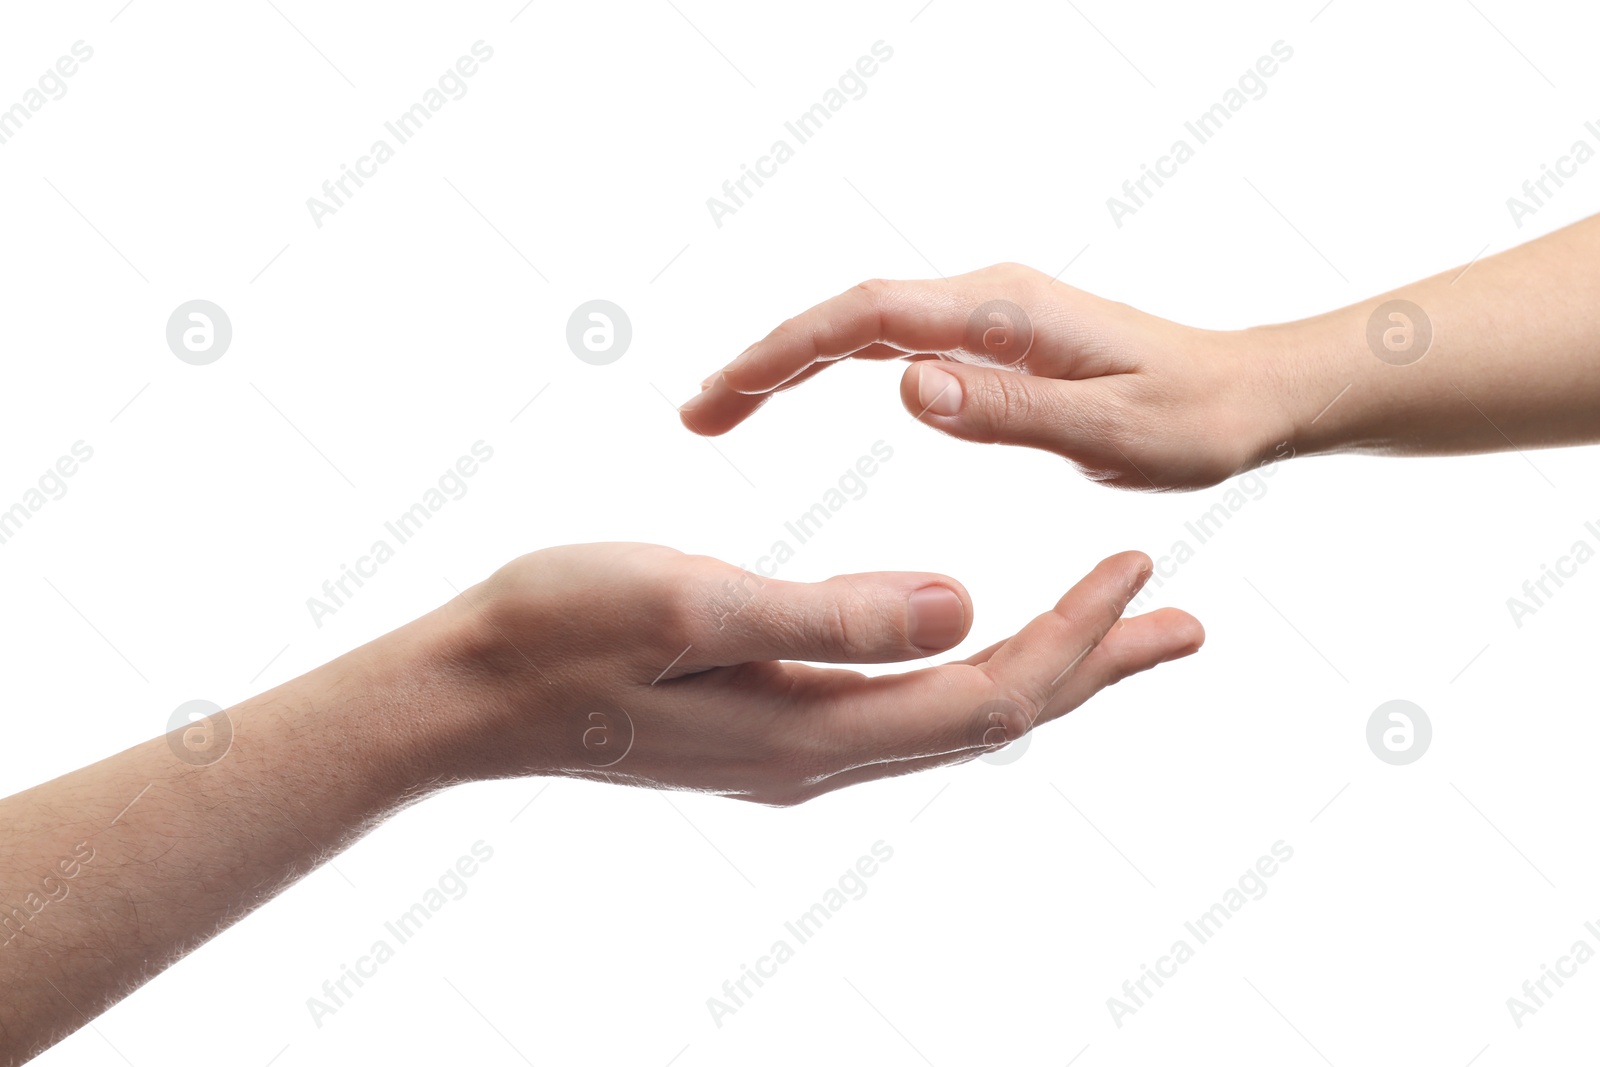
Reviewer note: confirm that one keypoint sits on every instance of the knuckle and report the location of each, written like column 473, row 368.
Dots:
column 1013, row 272
column 676, row 617
column 684, row 604
column 713, row 594
column 871, row 297
column 873, row 288
column 1009, row 406
column 841, row 631
column 1016, row 403
column 789, row 330
column 789, row 778
column 1006, row 720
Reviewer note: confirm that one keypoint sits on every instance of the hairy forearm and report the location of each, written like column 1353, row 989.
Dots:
column 1513, row 360
column 623, row 662
column 116, row 870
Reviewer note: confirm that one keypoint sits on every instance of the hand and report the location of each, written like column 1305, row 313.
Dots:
column 1132, row 400
column 639, row 664
column 624, row 663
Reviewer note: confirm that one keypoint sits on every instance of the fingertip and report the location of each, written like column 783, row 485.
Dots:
column 929, row 389
column 692, row 419
column 938, row 615
column 1136, row 565
column 1140, row 558
column 717, row 409
column 960, row 591
column 1146, row 566
column 1124, row 572
column 1181, row 634
column 1188, row 634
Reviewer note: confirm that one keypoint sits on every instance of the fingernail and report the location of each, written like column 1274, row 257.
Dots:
column 937, row 617
column 692, row 403
column 938, row 392
column 707, row 383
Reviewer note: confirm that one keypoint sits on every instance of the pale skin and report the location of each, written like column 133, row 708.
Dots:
column 1142, row 403
column 507, row 679
column 625, row 663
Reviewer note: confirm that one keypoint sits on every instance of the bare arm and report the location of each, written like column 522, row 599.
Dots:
column 622, row 663
column 1513, row 361
column 116, row 870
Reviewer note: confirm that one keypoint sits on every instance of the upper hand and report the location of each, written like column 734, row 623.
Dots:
column 1132, row 400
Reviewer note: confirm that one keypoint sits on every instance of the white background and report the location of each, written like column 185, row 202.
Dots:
column 416, row 321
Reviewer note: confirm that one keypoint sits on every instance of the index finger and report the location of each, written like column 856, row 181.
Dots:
column 960, row 706
column 913, row 316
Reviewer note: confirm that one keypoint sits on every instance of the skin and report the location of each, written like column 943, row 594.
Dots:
column 623, row 663
column 638, row 665
column 1139, row 402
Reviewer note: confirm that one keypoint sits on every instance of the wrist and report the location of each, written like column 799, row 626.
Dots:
column 408, row 711
column 1250, row 397
column 490, row 668
column 1308, row 382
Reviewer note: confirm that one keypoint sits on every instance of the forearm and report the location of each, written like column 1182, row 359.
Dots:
column 619, row 662
column 116, row 870
column 1513, row 362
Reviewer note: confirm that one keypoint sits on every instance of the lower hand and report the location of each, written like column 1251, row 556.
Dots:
column 640, row 664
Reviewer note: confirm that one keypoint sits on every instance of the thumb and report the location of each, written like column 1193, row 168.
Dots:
column 883, row 617
column 997, row 406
